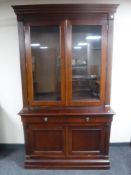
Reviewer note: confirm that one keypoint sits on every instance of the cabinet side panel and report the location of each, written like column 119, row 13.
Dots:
column 22, row 63
column 109, row 63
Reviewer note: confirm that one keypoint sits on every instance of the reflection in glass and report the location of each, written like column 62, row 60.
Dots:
column 45, row 49
column 86, row 61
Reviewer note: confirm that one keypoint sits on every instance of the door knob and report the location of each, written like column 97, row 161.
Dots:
column 45, row 119
column 87, row 119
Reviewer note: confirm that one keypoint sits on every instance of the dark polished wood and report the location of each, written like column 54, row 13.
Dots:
column 55, row 139
column 65, row 9
column 109, row 62
column 23, row 63
column 66, row 133
column 29, row 66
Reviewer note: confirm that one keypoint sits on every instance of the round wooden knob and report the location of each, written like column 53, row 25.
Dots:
column 45, row 119
column 87, row 119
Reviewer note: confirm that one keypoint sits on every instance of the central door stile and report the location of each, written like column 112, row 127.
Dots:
column 63, row 62
column 68, row 61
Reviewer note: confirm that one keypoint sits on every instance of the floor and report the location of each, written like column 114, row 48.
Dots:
column 11, row 163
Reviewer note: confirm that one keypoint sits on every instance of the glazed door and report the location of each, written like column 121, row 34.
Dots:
column 45, row 63
column 87, row 62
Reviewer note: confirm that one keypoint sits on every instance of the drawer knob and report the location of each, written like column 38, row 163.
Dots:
column 87, row 119
column 45, row 119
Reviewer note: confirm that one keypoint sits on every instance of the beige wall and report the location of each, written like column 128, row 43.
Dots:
column 11, row 130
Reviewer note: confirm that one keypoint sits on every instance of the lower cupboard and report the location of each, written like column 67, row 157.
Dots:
column 67, row 141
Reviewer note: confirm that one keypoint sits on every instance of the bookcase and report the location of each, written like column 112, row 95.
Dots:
column 66, row 56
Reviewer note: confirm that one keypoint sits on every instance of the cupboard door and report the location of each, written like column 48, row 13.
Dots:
column 87, row 62
column 46, row 141
column 45, row 61
column 87, row 140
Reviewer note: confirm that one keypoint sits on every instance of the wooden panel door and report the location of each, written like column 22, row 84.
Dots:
column 46, row 141
column 87, row 140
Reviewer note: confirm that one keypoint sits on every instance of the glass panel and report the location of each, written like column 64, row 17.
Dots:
column 86, row 62
column 45, row 49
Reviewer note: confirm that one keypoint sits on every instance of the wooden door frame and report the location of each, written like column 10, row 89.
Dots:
column 69, row 101
column 31, row 101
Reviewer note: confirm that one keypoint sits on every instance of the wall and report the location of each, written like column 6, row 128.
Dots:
column 11, row 130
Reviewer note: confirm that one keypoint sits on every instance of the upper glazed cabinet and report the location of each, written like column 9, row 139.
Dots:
column 66, row 61
column 66, row 54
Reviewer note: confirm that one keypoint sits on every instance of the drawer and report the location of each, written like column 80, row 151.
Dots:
column 67, row 119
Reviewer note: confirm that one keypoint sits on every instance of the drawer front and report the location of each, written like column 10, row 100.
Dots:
column 67, row 119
